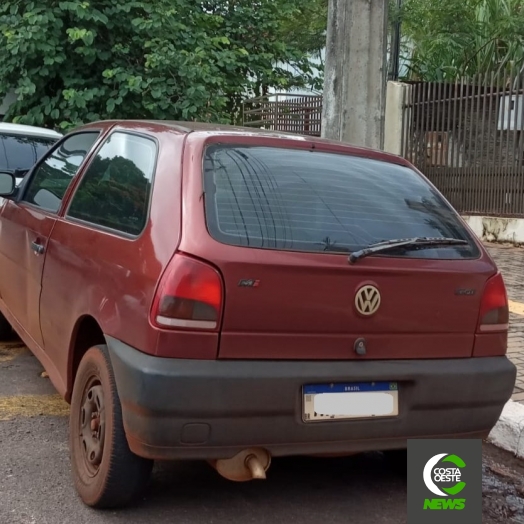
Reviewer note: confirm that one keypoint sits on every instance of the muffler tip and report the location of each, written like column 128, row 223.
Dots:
column 249, row 464
column 255, row 467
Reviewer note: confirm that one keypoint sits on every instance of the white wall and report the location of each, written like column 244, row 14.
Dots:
column 497, row 229
column 396, row 94
column 315, row 61
column 8, row 100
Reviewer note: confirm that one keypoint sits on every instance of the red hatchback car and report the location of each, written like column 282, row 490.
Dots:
column 216, row 293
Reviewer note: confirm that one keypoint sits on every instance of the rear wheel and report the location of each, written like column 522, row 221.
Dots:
column 6, row 331
column 106, row 473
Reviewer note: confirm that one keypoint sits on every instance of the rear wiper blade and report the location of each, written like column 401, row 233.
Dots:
column 407, row 243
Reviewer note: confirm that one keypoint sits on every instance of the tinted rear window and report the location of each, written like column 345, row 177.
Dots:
column 288, row 199
column 21, row 152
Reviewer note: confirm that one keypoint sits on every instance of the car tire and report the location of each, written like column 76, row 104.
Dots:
column 6, row 331
column 106, row 472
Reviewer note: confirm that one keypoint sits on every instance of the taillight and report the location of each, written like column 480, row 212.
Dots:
column 494, row 311
column 189, row 295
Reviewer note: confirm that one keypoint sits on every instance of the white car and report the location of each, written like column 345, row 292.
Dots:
column 22, row 146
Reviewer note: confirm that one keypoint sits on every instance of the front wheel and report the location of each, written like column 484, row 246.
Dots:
column 106, row 473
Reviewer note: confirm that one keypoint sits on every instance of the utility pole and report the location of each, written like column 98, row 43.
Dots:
column 355, row 72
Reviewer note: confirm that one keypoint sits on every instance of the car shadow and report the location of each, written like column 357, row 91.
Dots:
column 300, row 489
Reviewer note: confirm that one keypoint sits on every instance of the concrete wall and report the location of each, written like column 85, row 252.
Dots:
column 396, row 95
column 497, row 229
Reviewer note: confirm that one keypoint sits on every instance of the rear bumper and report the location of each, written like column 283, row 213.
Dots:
column 200, row 409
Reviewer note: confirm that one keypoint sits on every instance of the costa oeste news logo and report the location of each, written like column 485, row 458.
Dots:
column 442, row 476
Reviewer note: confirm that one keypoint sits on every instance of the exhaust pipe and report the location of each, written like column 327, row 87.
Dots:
column 247, row 465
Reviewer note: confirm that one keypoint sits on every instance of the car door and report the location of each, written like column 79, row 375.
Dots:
column 99, row 264
column 25, row 226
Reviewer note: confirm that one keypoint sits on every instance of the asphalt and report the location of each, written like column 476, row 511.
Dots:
column 36, row 487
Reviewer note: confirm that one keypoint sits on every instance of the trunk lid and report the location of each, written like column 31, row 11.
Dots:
column 279, row 224
column 305, row 307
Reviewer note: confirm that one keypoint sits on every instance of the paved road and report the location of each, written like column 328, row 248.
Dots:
column 510, row 260
column 35, row 486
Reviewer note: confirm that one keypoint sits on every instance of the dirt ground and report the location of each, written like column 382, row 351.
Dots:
column 502, row 487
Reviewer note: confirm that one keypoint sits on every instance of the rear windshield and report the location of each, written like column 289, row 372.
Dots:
column 22, row 152
column 288, row 199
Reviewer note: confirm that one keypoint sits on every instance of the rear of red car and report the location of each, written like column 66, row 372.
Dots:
column 270, row 337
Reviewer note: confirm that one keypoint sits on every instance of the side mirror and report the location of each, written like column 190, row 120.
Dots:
column 7, row 184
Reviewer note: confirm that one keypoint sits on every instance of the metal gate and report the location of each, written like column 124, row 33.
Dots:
column 300, row 114
column 467, row 138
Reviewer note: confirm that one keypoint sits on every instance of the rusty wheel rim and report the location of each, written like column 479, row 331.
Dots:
column 92, row 426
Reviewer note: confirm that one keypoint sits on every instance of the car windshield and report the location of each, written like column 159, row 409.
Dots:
column 22, row 152
column 303, row 200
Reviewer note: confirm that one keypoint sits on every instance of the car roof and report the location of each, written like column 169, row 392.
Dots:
column 191, row 127
column 222, row 129
column 24, row 130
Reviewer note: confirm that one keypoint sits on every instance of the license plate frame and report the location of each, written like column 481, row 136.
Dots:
column 361, row 400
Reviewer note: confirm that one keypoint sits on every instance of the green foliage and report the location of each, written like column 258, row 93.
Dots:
column 305, row 27
column 450, row 39
column 76, row 61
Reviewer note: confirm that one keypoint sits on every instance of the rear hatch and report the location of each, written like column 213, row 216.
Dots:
column 286, row 221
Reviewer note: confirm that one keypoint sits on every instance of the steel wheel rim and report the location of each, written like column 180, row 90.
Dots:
column 91, row 424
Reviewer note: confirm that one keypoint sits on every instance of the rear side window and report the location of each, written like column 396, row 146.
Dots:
column 114, row 191
column 287, row 199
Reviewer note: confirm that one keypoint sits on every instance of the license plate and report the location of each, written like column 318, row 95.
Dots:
column 350, row 401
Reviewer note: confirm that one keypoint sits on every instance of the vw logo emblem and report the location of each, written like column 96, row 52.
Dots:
column 367, row 300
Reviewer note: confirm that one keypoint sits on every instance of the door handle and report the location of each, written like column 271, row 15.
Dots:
column 37, row 248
